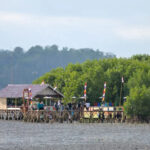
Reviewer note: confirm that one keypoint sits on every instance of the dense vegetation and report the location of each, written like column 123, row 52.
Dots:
column 136, row 87
column 23, row 67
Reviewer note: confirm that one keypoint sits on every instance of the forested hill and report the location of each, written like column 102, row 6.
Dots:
column 19, row 66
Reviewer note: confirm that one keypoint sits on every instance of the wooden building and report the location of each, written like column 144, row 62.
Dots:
column 11, row 96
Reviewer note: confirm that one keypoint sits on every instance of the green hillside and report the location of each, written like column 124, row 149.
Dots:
column 19, row 66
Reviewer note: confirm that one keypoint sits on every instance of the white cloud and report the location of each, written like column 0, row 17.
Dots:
column 134, row 33
column 12, row 18
column 31, row 20
column 89, row 25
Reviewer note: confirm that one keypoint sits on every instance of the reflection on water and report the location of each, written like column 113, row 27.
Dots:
column 36, row 136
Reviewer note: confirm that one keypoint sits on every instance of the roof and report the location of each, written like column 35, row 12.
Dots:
column 16, row 90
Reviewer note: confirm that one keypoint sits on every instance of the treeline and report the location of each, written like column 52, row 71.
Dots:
column 18, row 66
column 134, row 92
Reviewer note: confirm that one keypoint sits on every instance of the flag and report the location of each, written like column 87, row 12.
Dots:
column 122, row 79
column 30, row 93
column 85, row 86
column 104, row 92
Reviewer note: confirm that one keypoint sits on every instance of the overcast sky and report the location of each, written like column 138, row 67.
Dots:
column 121, row 27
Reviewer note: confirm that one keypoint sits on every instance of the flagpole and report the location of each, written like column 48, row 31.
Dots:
column 122, row 81
column 85, row 99
column 120, row 94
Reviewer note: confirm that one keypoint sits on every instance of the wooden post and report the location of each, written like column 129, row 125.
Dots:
column 46, row 102
column 15, row 102
column 23, row 98
column 85, row 99
column 24, row 103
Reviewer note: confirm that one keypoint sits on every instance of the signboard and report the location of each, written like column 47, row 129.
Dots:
column 26, row 93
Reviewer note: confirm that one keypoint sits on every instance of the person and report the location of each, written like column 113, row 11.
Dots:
column 31, row 106
column 61, row 107
column 34, row 106
column 79, row 106
column 70, row 106
column 87, row 106
column 38, row 105
column 56, row 106
column 41, row 105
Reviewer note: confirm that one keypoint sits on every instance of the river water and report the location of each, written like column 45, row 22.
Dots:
column 15, row 135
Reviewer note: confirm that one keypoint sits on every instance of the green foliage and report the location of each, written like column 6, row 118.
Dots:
column 70, row 81
column 141, row 57
column 138, row 102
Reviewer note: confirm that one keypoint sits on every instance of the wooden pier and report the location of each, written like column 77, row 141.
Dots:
column 63, row 116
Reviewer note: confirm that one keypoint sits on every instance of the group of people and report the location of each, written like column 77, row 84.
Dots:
column 59, row 106
column 40, row 105
column 37, row 105
column 70, row 106
column 111, row 115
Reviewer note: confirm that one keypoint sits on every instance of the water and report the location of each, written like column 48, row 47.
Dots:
column 40, row 136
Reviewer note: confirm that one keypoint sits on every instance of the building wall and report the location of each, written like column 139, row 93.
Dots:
column 3, row 103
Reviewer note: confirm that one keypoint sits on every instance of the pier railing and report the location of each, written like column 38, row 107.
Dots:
column 11, row 115
column 63, row 116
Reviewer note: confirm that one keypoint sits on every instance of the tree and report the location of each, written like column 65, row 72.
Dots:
column 18, row 51
column 138, row 103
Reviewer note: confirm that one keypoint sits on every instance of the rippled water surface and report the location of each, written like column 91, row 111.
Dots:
column 40, row 136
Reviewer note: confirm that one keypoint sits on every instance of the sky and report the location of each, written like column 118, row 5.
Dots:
column 120, row 27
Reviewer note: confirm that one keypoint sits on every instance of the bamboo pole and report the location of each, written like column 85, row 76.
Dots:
column 120, row 95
